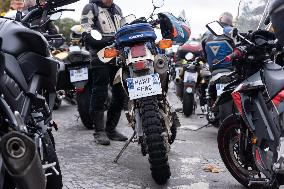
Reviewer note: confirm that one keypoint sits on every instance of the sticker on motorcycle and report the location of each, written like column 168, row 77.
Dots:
column 144, row 86
column 79, row 75
column 189, row 77
column 220, row 88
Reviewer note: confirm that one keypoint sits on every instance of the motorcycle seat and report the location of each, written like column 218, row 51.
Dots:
column 218, row 74
column 274, row 79
column 215, row 72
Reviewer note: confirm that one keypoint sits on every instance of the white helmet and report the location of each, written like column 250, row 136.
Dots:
column 76, row 32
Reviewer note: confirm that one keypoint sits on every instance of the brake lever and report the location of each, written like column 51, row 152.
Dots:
column 62, row 10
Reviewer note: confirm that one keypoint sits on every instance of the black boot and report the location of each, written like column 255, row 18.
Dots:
column 112, row 121
column 100, row 135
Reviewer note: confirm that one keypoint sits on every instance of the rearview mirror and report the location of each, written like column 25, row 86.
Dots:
column 96, row 35
column 158, row 3
column 215, row 28
column 55, row 16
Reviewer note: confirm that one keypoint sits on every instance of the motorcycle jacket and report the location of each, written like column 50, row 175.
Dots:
column 104, row 19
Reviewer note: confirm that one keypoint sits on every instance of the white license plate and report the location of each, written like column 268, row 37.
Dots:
column 78, row 75
column 220, row 88
column 144, row 86
column 189, row 76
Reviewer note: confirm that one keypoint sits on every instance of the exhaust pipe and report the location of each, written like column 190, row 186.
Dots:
column 22, row 161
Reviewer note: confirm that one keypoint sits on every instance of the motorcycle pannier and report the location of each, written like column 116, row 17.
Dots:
column 134, row 33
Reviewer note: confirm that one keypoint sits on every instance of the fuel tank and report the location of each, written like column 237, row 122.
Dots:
column 18, row 39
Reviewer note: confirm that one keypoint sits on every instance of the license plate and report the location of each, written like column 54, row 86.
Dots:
column 189, row 77
column 138, row 51
column 78, row 75
column 144, row 86
column 220, row 88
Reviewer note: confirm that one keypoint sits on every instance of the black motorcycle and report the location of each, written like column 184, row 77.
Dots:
column 28, row 81
column 251, row 141
column 73, row 74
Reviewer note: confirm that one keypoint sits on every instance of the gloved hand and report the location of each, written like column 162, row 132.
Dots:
column 89, row 41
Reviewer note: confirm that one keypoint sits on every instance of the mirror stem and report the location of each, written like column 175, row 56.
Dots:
column 152, row 14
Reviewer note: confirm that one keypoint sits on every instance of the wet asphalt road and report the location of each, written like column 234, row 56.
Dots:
column 86, row 165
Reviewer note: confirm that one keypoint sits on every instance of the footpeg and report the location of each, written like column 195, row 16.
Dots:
column 258, row 182
column 54, row 125
column 50, row 166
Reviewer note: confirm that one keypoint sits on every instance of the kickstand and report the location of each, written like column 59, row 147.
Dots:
column 205, row 126
column 124, row 147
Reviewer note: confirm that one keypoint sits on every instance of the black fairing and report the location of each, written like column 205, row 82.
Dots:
column 273, row 77
column 13, row 69
column 33, row 64
column 12, row 93
column 18, row 39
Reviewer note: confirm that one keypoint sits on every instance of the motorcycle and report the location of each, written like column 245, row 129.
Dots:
column 221, row 76
column 187, row 76
column 74, row 80
column 250, row 141
column 73, row 72
column 28, row 79
column 144, row 76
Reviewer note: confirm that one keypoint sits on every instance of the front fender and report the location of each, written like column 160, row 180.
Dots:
column 224, row 98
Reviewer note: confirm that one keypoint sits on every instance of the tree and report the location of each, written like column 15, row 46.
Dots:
column 65, row 25
column 251, row 14
column 4, row 6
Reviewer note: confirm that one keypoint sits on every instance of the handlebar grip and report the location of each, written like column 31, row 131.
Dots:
column 30, row 15
column 47, row 36
column 154, row 22
column 236, row 54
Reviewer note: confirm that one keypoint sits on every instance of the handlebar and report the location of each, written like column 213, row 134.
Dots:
column 52, row 36
column 236, row 54
column 154, row 22
column 31, row 14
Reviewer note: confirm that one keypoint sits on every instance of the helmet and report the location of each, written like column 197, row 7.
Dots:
column 276, row 13
column 226, row 18
column 76, row 32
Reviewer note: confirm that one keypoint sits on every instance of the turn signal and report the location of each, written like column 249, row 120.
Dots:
column 278, row 98
column 254, row 140
column 110, row 53
column 165, row 43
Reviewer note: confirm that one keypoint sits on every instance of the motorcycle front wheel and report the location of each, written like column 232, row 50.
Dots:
column 157, row 143
column 229, row 136
column 188, row 104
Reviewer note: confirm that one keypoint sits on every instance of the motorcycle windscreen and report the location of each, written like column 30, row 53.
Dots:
column 173, row 28
column 59, row 3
